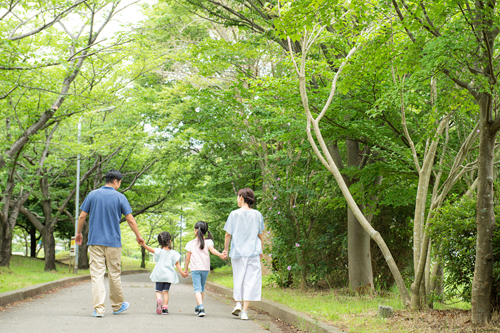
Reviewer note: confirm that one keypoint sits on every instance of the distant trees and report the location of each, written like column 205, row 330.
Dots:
column 55, row 74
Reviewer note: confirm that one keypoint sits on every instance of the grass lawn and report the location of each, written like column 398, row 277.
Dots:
column 358, row 313
column 26, row 271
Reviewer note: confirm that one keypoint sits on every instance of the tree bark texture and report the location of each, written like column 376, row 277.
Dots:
column 358, row 241
column 83, row 258
column 5, row 244
column 143, row 257
column 49, row 249
column 32, row 241
column 358, row 252
column 485, row 219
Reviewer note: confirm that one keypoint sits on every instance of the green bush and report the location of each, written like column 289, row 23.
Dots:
column 453, row 231
column 307, row 238
column 216, row 262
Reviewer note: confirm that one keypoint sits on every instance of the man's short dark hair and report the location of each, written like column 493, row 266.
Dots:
column 112, row 175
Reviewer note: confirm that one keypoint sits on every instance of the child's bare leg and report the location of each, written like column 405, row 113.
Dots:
column 165, row 298
column 199, row 298
column 158, row 295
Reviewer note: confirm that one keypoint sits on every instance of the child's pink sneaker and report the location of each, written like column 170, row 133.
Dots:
column 159, row 304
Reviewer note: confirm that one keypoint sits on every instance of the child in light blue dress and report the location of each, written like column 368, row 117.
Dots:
column 164, row 272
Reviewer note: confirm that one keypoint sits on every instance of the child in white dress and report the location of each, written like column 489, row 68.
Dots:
column 164, row 272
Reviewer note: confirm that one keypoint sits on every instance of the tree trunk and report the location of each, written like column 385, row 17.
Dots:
column 83, row 259
column 427, row 277
column 485, row 220
column 439, row 278
column 303, row 272
column 143, row 255
column 32, row 241
column 358, row 252
column 358, row 240
column 436, row 282
column 49, row 248
column 5, row 245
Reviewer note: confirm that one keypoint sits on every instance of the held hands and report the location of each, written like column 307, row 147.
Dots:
column 223, row 256
column 184, row 274
column 140, row 240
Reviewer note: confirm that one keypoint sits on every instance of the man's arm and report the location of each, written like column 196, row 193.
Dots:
column 133, row 225
column 81, row 222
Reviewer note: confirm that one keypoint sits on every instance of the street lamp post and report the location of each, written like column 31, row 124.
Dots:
column 180, row 241
column 77, row 194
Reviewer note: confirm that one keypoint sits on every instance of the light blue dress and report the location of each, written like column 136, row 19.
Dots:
column 245, row 226
column 164, row 270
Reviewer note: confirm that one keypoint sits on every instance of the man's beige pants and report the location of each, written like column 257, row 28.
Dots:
column 100, row 257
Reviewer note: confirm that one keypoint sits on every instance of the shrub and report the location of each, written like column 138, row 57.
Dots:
column 453, row 231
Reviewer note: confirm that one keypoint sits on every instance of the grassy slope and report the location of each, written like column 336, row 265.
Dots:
column 26, row 271
column 337, row 307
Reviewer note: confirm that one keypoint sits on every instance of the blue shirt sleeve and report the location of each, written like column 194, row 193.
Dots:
column 86, row 203
column 228, row 227
column 125, row 206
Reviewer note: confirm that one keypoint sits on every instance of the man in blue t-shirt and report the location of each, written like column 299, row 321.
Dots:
column 105, row 207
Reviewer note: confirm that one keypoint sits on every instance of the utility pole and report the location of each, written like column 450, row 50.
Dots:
column 180, row 241
column 77, row 194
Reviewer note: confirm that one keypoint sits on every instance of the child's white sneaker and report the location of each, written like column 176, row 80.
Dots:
column 244, row 315
column 236, row 310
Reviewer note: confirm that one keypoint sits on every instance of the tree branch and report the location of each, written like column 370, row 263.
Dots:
column 401, row 18
column 43, row 27
column 144, row 169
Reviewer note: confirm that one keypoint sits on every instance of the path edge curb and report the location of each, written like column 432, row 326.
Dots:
column 286, row 314
column 24, row 293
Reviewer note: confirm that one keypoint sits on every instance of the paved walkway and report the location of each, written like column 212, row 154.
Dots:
column 69, row 310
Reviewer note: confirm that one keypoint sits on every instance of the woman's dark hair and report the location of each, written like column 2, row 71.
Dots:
column 164, row 239
column 202, row 230
column 248, row 196
column 113, row 174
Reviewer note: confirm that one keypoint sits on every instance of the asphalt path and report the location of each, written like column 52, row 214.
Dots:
column 70, row 309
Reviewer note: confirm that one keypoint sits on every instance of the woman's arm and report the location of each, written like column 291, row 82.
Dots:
column 227, row 240
column 150, row 249
column 261, row 237
column 186, row 263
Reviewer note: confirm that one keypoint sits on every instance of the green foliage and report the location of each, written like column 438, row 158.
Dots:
column 453, row 230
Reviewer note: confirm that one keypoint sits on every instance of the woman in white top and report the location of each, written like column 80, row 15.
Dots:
column 244, row 230
column 164, row 272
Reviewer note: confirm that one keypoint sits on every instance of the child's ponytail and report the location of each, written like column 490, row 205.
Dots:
column 209, row 235
column 202, row 230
